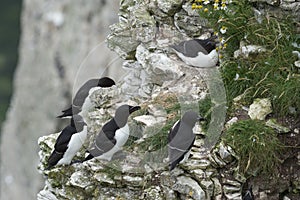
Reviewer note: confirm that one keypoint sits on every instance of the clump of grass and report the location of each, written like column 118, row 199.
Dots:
column 113, row 169
column 256, row 144
column 266, row 75
column 205, row 109
column 159, row 134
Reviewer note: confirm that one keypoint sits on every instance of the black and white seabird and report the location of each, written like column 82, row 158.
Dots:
column 68, row 142
column 81, row 102
column 181, row 138
column 249, row 194
column 113, row 134
column 197, row 52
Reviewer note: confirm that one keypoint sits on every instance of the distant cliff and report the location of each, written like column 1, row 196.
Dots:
column 57, row 37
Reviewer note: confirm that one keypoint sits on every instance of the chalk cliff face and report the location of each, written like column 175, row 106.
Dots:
column 165, row 88
column 56, row 38
column 155, row 79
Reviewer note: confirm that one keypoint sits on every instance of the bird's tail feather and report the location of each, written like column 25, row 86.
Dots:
column 53, row 159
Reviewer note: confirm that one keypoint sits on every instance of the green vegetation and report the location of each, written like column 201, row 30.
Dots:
column 266, row 75
column 256, row 144
column 271, row 74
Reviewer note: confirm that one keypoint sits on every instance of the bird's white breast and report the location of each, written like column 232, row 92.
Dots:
column 201, row 60
column 74, row 145
column 121, row 137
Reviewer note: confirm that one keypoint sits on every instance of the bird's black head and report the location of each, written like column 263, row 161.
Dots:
column 190, row 117
column 106, row 82
column 210, row 43
column 122, row 113
column 77, row 122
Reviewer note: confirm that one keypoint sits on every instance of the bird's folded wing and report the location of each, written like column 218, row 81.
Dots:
column 104, row 142
column 83, row 91
column 63, row 139
column 176, row 154
column 192, row 47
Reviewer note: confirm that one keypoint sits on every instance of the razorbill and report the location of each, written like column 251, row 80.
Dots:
column 181, row 138
column 113, row 134
column 197, row 52
column 81, row 102
column 249, row 194
column 68, row 142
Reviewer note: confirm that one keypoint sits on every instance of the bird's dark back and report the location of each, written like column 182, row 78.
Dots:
column 83, row 91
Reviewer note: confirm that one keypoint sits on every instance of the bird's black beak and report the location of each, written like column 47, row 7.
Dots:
column 133, row 109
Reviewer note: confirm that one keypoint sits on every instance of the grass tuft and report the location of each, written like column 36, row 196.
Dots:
column 271, row 74
column 256, row 144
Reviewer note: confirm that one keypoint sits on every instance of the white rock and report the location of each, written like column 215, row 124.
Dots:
column 224, row 153
column 231, row 121
column 103, row 178
column 188, row 186
column 149, row 120
column 79, row 179
column 275, row 125
column 46, row 195
column 247, row 50
column 133, row 180
column 218, row 186
column 260, row 108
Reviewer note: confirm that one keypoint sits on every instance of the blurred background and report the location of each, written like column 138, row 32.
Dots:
column 47, row 50
column 9, row 39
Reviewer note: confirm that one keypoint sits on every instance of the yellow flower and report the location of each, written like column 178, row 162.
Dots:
column 199, row 7
column 205, row 9
column 194, row 6
column 198, row 1
column 216, row 1
column 224, row 45
column 216, row 5
column 223, row 7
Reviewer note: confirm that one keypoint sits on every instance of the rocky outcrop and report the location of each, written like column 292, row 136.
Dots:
column 165, row 88
column 56, row 41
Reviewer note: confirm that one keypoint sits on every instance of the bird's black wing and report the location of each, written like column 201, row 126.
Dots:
column 104, row 142
column 192, row 47
column 180, row 141
column 83, row 92
column 175, row 156
column 63, row 139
